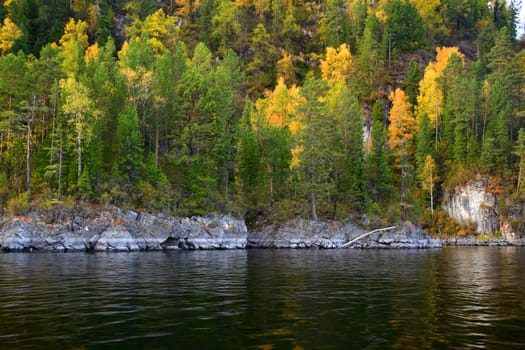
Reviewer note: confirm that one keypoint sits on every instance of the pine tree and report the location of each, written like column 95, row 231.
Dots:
column 379, row 177
column 313, row 138
column 129, row 146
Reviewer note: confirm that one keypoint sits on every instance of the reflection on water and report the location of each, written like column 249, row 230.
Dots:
column 265, row 299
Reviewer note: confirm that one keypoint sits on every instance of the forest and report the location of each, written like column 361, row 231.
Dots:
column 325, row 109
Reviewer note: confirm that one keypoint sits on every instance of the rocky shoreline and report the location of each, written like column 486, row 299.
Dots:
column 125, row 230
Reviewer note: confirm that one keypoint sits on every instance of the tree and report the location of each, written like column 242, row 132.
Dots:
column 73, row 43
column 280, row 105
column 424, row 142
column 519, row 151
column 248, row 156
column 160, row 30
column 404, row 30
column 431, row 16
column 260, row 69
column 338, row 64
column 335, row 24
column 129, row 146
column 347, row 150
column 226, row 27
column 401, row 133
column 313, row 141
column 413, row 77
column 379, row 177
column 79, row 109
column 430, row 100
column 9, row 34
column 429, row 179
column 402, row 126
column 370, row 59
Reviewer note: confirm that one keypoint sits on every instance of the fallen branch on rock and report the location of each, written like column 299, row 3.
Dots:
column 349, row 243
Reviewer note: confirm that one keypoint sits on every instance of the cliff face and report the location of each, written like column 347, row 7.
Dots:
column 471, row 204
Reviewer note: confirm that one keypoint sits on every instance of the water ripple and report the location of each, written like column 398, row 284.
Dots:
column 450, row 298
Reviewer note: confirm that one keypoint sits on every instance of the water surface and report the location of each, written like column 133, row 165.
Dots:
column 265, row 299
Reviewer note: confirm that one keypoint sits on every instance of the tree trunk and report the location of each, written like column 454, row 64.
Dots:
column 28, row 160
column 156, row 143
column 432, row 201
column 79, row 154
column 271, row 190
column 314, row 206
column 60, row 168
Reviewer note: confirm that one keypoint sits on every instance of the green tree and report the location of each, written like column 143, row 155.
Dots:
column 313, row 140
column 80, row 113
column 519, row 152
column 347, row 151
column 260, row 69
column 404, row 29
column 335, row 24
column 248, row 156
column 413, row 77
column 379, row 178
column 129, row 146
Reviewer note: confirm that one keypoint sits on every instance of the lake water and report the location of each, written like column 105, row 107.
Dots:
column 265, row 299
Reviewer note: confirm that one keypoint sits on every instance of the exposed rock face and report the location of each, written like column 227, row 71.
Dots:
column 120, row 230
column 471, row 204
column 117, row 230
column 405, row 236
column 299, row 233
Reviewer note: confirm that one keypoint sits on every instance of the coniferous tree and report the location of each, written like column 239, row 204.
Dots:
column 379, row 177
column 313, row 138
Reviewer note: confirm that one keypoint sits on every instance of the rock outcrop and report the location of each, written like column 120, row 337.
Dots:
column 124, row 230
column 118, row 230
column 471, row 204
column 299, row 233
column 404, row 236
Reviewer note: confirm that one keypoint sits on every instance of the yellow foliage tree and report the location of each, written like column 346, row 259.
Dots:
column 75, row 30
column 187, row 7
column 429, row 178
column 402, row 126
column 338, row 64
column 73, row 43
column 9, row 34
column 280, row 105
column 442, row 56
column 430, row 99
column 162, row 31
column 91, row 53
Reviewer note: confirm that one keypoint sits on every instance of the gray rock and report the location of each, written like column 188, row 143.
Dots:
column 471, row 204
column 406, row 236
column 299, row 233
column 119, row 230
column 116, row 239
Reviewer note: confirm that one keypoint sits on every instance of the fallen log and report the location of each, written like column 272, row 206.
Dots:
column 349, row 243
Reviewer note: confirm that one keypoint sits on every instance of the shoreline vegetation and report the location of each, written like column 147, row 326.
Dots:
column 377, row 112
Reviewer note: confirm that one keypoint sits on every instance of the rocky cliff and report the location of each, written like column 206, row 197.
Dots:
column 472, row 204
column 124, row 230
column 118, row 230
